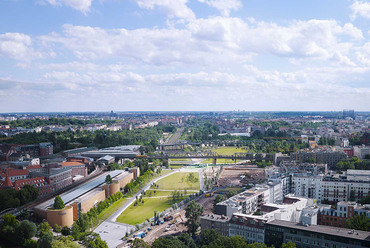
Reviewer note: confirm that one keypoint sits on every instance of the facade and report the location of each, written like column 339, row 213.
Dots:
column 331, row 158
column 361, row 151
column 337, row 217
column 278, row 232
column 61, row 217
column 307, row 186
column 249, row 227
column 337, row 189
column 219, row 223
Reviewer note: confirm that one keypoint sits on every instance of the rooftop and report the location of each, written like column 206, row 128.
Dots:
column 336, row 231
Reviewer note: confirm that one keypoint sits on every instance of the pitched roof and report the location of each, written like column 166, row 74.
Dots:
column 37, row 182
column 13, row 173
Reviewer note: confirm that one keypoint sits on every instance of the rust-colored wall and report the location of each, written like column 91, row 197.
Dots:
column 136, row 172
column 75, row 211
column 62, row 217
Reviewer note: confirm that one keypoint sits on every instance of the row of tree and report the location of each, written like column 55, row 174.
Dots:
column 11, row 198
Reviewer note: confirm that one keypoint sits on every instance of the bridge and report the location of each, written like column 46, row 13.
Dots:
column 210, row 155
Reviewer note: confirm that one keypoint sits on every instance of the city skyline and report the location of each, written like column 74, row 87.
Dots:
column 184, row 55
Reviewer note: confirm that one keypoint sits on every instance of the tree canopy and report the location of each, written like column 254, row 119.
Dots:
column 58, row 203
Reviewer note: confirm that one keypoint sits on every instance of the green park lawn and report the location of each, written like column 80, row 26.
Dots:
column 160, row 201
column 180, row 159
column 111, row 209
column 221, row 161
column 138, row 214
column 178, row 181
column 165, row 193
column 177, row 166
column 228, row 150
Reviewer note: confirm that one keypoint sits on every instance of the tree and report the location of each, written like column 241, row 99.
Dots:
column 58, row 203
column 46, row 240
column 44, row 228
column 207, row 236
column 358, row 222
column 64, row 242
column 187, row 240
column 288, row 245
column 168, row 242
column 75, row 231
column 139, row 243
column 108, row 179
column 24, row 215
column 30, row 243
column 83, row 222
column 193, row 213
column 94, row 241
column 57, row 228
column 66, row 231
column 218, row 198
column 24, row 231
column 231, row 193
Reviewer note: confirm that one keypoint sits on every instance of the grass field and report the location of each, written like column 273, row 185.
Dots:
column 220, row 161
column 138, row 214
column 228, row 150
column 176, row 166
column 178, row 181
column 111, row 209
column 166, row 193
column 180, row 159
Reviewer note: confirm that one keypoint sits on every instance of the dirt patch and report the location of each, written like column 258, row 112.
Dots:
column 239, row 176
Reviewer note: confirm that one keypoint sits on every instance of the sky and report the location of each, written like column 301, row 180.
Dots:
column 184, row 55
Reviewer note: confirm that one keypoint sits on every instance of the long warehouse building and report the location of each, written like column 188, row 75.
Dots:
column 85, row 197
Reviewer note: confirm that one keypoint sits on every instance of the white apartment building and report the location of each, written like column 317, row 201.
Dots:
column 309, row 186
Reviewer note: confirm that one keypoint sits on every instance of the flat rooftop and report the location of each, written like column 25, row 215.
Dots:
column 336, row 231
column 73, row 194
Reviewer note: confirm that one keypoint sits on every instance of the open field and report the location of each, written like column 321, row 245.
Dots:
column 165, row 192
column 111, row 209
column 177, row 166
column 228, row 150
column 221, row 161
column 138, row 214
column 180, row 159
column 178, row 181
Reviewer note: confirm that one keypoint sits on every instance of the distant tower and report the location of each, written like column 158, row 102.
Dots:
column 348, row 113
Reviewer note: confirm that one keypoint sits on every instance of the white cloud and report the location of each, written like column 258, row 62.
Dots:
column 172, row 8
column 224, row 6
column 360, row 8
column 212, row 41
column 17, row 46
column 81, row 5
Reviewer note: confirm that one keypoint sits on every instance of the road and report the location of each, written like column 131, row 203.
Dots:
column 174, row 139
